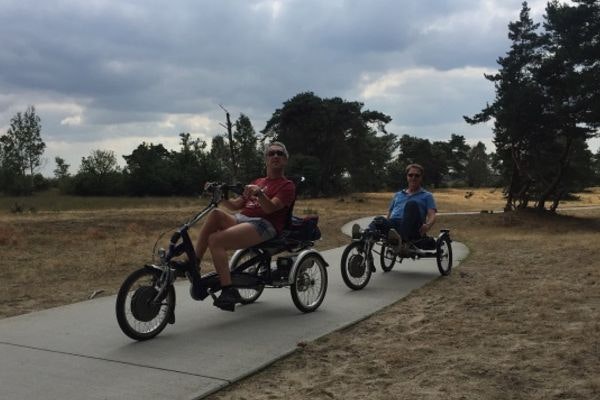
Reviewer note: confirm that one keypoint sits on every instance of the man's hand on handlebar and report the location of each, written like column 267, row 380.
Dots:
column 251, row 191
column 223, row 188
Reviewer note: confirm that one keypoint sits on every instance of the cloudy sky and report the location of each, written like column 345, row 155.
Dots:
column 110, row 75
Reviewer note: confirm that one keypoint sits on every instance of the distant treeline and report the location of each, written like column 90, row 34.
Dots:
column 335, row 144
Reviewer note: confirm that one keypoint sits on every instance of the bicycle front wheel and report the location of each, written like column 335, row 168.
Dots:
column 356, row 272
column 140, row 315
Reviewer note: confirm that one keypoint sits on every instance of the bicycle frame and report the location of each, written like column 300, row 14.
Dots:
column 414, row 253
column 146, row 300
column 264, row 259
column 180, row 243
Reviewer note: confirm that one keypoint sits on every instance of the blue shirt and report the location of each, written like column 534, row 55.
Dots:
column 423, row 198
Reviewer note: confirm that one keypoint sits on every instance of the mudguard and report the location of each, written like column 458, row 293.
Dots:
column 153, row 267
column 299, row 259
column 444, row 232
column 235, row 258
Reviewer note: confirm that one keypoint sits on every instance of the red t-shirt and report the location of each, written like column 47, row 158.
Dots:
column 283, row 189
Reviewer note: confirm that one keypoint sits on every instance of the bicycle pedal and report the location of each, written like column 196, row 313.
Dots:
column 214, row 297
column 226, row 306
column 179, row 273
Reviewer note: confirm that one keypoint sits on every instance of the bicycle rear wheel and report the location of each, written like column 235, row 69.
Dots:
column 309, row 283
column 249, row 295
column 387, row 258
column 443, row 256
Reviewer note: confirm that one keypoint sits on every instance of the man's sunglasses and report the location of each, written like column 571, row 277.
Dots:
column 276, row 153
column 414, row 175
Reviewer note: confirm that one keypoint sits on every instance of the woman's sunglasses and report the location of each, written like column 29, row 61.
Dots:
column 276, row 153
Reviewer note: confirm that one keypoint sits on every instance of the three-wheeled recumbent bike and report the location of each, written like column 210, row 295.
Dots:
column 146, row 300
column 357, row 263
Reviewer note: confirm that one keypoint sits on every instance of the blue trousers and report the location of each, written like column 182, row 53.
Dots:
column 408, row 226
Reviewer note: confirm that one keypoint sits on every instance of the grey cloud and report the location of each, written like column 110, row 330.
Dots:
column 135, row 62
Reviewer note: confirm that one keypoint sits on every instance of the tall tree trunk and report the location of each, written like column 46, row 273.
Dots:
column 562, row 165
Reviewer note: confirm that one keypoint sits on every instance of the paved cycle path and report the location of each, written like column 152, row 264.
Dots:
column 78, row 351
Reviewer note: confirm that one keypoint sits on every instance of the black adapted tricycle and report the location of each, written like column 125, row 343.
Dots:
column 357, row 259
column 146, row 300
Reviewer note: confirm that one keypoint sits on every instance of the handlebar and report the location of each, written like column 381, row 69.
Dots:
column 222, row 189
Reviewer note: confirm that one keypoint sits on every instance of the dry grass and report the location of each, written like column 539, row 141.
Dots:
column 519, row 318
column 52, row 258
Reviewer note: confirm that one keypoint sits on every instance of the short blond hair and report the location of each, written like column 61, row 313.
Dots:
column 267, row 147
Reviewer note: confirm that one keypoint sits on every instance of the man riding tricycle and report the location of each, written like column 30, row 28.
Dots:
column 262, row 228
column 403, row 234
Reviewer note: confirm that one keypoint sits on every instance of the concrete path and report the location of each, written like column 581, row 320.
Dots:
column 78, row 351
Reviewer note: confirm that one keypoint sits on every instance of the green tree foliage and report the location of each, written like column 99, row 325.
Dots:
column 477, row 168
column 250, row 159
column 433, row 157
column 99, row 175
column 517, row 109
column 573, row 33
column 596, row 167
column 580, row 173
column 62, row 177
column 538, row 113
column 153, row 170
column 565, row 74
column 99, row 162
column 220, row 154
column 62, row 169
column 4, row 172
column 342, row 136
column 310, row 168
column 150, row 170
column 193, row 166
column 21, row 151
column 370, row 152
column 457, row 156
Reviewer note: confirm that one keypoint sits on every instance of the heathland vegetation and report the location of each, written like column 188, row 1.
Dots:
column 517, row 319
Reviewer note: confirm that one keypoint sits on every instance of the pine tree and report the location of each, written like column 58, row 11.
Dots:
column 518, row 109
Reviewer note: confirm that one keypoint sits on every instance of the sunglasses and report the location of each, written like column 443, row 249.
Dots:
column 414, row 175
column 276, row 153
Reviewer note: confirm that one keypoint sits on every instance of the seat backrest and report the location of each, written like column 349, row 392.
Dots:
column 297, row 180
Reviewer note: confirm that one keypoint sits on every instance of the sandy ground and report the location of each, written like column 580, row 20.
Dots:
column 519, row 319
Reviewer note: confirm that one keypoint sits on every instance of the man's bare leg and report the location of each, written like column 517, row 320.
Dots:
column 239, row 236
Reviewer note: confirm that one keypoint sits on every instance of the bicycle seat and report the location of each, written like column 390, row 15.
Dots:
column 283, row 242
column 298, row 233
column 424, row 243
